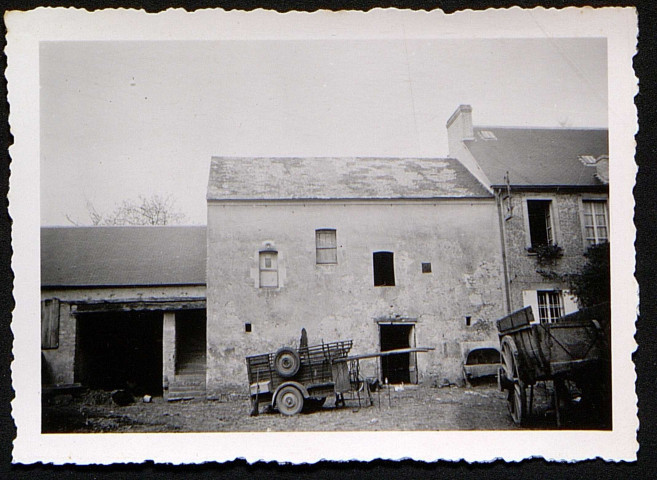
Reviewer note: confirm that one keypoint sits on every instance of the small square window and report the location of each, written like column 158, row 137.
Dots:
column 426, row 267
column 247, row 327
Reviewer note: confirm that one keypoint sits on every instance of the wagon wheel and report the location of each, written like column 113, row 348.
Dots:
column 289, row 400
column 509, row 363
column 517, row 403
column 509, row 379
column 287, row 362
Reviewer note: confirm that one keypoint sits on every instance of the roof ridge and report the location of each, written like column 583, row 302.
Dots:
column 511, row 127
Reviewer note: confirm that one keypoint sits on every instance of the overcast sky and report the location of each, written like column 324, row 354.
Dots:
column 119, row 119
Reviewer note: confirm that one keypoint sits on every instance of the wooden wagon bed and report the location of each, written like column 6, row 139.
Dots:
column 574, row 348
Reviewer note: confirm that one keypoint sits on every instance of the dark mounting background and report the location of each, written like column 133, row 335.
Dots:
column 645, row 217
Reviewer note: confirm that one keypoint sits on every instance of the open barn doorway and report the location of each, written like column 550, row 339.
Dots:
column 120, row 350
column 399, row 368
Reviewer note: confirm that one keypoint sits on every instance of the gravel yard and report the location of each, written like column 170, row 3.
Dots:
column 416, row 407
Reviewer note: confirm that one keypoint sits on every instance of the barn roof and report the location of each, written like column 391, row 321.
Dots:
column 538, row 156
column 122, row 256
column 242, row 178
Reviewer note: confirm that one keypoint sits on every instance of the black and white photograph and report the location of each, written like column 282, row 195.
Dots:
column 368, row 227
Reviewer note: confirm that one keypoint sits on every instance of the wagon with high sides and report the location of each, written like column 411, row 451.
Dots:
column 292, row 377
column 572, row 352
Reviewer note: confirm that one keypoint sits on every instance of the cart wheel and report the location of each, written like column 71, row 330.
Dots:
column 517, row 403
column 287, row 362
column 289, row 400
column 508, row 371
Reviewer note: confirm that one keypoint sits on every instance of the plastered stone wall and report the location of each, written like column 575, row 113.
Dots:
column 460, row 238
column 523, row 268
column 60, row 361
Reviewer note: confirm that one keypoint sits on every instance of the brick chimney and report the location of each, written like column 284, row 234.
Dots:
column 459, row 125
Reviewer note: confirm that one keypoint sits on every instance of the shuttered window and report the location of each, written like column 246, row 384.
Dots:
column 540, row 223
column 268, row 269
column 50, row 323
column 327, row 247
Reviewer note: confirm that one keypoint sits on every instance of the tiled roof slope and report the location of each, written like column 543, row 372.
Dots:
column 234, row 178
column 539, row 156
column 122, row 256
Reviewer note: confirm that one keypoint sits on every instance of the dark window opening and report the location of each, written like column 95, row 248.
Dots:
column 540, row 223
column 247, row 327
column 384, row 269
column 468, row 319
column 426, row 268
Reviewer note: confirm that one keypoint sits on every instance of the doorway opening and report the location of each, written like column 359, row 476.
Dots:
column 117, row 350
column 398, row 368
column 190, row 342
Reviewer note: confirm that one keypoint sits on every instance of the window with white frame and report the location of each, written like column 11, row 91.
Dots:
column 268, row 269
column 327, row 246
column 596, row 228
column 550, row 305
column 541, row 228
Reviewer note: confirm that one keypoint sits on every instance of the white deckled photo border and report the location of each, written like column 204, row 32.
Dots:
column 25, row 32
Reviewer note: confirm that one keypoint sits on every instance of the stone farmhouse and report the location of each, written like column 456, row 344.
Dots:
column 551, row 188
column 387, row 252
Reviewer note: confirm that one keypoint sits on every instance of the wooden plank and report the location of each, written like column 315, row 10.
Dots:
column 384, row 354
column 519, row 318
column 127, row 305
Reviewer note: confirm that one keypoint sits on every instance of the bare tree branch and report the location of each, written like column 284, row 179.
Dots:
column 153, row 210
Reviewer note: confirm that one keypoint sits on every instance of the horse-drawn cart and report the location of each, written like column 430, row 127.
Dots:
column 574, row 350
column 293, row 377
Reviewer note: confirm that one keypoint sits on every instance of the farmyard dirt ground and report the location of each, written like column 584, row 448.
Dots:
column 482, row 407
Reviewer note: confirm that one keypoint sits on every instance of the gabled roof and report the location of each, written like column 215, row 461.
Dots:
column 122, row 256
column 234, row 178
column 538, row 156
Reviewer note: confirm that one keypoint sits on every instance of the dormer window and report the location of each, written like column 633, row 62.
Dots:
column 588, row 160
column 487, row 135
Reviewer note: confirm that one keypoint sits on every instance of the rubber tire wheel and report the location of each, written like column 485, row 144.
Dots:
column 287, row 362
column 289, row 400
